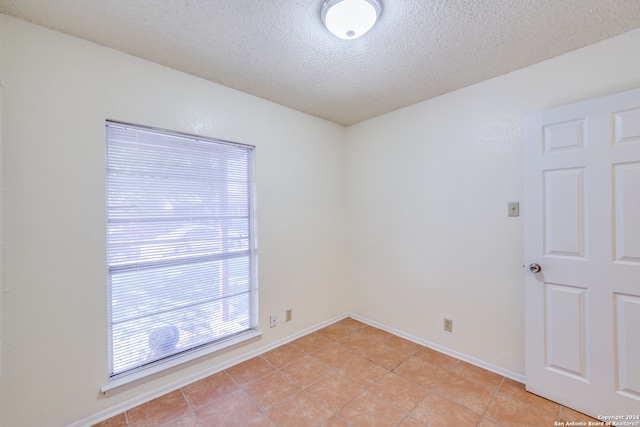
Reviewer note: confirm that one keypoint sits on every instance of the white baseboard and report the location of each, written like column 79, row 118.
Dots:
column 161, row 391
column 469, row 359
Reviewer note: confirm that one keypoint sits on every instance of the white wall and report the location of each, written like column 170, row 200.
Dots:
column 57, row 93
column 428, row 187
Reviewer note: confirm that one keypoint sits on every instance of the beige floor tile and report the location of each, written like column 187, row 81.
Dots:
column 363, row 371
column 375, row 333
column 436, row 411
column 486, row 422
column 402, row 344
column 436, row 358
column 301, row 410
column 117, row 421
column 489, row 379
column 335, row 332
column 335, row 422
column 189, row 420
column 399, row 391
column 271, row 390
column 163, row 410
column 386, row 356
column 261, row 421
column 517, row 391
column 568, row 414
column 250, row 371
column 305, row 371
column 334, row 390
column 312, row 342
column 334, row 356
column 283, row 355
column 234, row 409
column 421, row 372
column 510, row 412
column 368, row 410
column 351, row 324
column 205, row 391
column 410, row 422
column 358, row 343
column 464, row 392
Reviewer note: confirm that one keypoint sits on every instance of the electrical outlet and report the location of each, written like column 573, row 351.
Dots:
column 448, row 325
column 288, row 314
column 273, row 319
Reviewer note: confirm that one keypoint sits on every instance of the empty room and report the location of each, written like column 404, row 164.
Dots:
column 260, row 213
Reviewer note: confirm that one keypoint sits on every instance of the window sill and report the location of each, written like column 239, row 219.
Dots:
column 136, row 378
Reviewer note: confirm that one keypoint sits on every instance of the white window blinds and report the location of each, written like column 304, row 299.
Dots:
column 180, row 244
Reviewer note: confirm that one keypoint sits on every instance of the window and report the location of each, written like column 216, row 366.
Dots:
column 181, row 247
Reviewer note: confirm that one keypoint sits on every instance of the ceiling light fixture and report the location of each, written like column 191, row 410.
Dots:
column 349, row 19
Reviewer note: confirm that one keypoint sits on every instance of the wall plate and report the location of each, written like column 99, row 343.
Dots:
column 514, row 208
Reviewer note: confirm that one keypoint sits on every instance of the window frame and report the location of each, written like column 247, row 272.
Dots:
column 118, row 379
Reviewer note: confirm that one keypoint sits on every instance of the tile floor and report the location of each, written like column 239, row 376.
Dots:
column 349, row 374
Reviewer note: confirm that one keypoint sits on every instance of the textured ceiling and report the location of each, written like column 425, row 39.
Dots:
column 280, row 51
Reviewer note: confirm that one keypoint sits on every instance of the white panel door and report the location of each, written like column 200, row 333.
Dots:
column 582, row 228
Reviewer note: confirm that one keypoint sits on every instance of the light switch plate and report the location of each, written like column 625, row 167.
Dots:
column 514, row 208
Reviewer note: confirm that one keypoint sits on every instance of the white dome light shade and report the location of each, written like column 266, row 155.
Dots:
column 349, row 19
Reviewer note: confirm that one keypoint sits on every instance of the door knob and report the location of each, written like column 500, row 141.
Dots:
column 535, row 268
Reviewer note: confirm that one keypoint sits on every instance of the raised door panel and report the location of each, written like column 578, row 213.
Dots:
column 566, row 330
column 627, row 126
column 628, row 344
column 564, row 219
column 627, row 212
column 568, row 135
